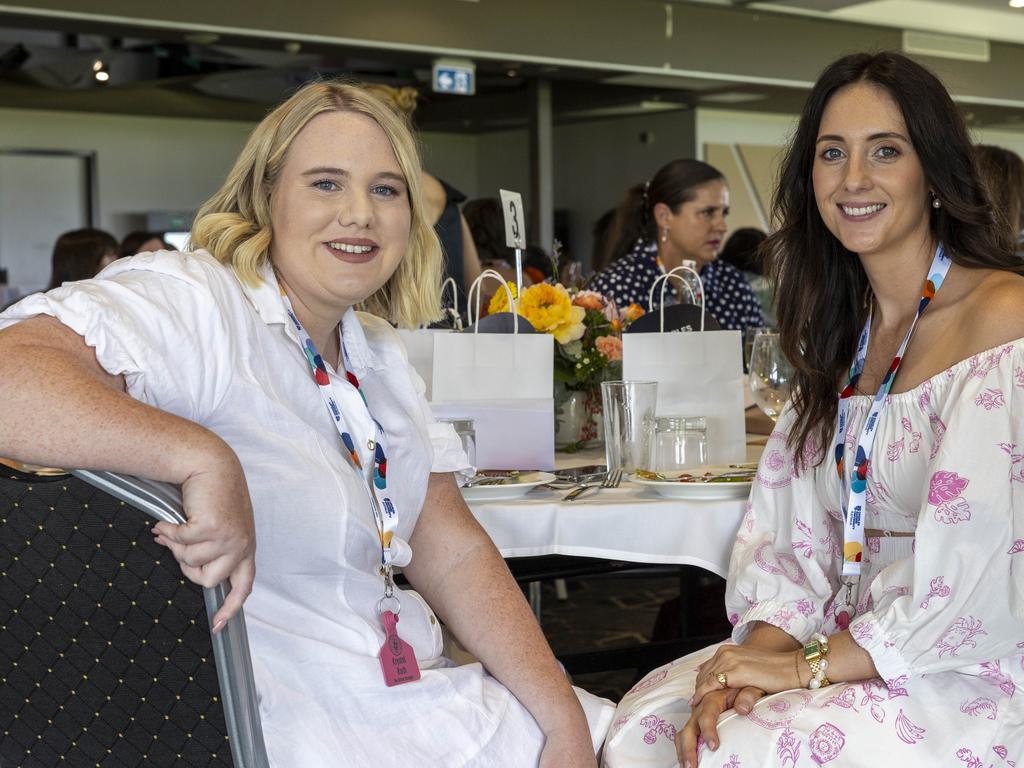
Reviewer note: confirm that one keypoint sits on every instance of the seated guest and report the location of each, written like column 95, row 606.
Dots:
column 143, row 242
column 877, row 581
column 741, row 250
column 80, row 254
column 1002, row 170
column 242, row 372
column 679, row 214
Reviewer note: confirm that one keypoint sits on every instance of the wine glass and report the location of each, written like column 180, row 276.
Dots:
column 770, row 374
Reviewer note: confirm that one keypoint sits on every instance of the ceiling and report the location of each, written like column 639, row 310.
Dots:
column 48, row 64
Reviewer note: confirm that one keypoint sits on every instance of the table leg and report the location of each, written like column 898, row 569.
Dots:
column 534, row 592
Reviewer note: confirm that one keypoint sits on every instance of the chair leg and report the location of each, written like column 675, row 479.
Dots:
column 561, row 590
column 534, row 592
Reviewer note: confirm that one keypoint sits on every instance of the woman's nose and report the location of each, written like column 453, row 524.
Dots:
column 356, row 210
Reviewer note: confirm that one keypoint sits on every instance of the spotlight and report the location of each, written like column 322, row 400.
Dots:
column 1017, row 3
column 100, row 71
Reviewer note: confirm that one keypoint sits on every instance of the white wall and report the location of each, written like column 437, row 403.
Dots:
column 142, row 164
column 726, row 126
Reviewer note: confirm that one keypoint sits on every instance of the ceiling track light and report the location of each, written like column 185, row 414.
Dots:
column 1017, row 3
column 100, row 71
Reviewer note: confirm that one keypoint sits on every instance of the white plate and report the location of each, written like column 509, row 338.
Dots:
column 509, row 489
column 673, row 489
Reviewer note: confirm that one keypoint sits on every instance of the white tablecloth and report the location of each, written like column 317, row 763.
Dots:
column 625, row 523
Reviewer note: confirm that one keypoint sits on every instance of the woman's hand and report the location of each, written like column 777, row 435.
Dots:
column 747, row 667
column 219, row 540
column 703, row 722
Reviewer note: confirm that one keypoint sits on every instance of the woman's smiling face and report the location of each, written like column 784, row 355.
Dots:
column 868, row 181
column 340, row 213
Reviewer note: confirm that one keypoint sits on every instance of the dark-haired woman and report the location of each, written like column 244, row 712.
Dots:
column 877, row 581
column 80, row 254
column 678, row 215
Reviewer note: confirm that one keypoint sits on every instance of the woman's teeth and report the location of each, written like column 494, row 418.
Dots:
column 351, row 248
column 851, row 211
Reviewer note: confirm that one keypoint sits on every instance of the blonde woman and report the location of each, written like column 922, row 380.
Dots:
column 242, row 372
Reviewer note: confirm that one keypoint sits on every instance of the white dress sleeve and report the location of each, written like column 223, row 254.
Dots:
column 957, row 601
column 149, row 318
column 783, row 566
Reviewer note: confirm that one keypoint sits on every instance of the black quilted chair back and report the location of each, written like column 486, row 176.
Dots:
column 105, row 650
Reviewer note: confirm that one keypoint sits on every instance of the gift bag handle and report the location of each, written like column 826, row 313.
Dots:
column 476, row 310
column 676, row 273
column 453, row 312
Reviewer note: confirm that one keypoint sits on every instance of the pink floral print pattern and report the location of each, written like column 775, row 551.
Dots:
column 961, row 634
column 944, row 494
column 937, row 589
column 787, row 748
column 989, row 399
column 657, row 727
column 1016, row 462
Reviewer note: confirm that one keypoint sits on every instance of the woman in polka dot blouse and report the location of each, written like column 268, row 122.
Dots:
column 679, row 214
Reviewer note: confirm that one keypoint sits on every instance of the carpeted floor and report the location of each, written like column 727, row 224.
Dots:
column 603, row 612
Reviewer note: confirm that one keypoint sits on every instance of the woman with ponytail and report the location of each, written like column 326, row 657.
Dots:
column 678, row 215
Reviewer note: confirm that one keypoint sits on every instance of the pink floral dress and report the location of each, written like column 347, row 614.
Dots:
column 940, row 613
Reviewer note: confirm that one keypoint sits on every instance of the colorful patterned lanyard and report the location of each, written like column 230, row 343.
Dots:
column 853, row 511
column 384, row 512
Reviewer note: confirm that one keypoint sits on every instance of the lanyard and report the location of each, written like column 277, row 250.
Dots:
column 853, row 510
column 384, row 513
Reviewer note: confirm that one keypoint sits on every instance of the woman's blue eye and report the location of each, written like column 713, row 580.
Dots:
column 325, row 185
column 832, row 153
column 888, row 152
column 386, row 191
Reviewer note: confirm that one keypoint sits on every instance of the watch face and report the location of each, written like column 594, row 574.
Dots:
column 812, row 649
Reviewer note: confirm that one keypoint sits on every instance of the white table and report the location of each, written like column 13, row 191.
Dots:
column 627, row 523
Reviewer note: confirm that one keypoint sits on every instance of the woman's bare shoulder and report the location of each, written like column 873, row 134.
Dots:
column 993, row 312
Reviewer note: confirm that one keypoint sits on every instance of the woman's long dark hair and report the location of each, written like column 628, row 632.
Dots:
column 674, row 184
column 820, row 285
column 77, row 255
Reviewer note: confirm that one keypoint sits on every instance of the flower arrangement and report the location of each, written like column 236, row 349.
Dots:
column 588, row 330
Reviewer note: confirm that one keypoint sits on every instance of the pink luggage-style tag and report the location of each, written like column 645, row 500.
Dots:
column 397, row 658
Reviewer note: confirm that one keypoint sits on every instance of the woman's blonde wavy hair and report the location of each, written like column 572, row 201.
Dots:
column 234, row 224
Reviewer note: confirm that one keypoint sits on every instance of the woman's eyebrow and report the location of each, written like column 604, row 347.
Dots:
column 872, row 137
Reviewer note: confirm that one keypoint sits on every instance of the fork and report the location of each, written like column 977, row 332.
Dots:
column 611, row 480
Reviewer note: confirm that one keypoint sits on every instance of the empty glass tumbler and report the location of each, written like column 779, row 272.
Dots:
column 628, row 423
column 680, row 443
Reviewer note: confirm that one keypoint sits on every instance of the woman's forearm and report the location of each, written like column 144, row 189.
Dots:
column 770, row 638
column 463, row 577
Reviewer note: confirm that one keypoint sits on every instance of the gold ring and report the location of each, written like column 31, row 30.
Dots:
column 722, row 679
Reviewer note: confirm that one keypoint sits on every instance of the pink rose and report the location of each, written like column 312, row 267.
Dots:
column 589, row 300
column 609, row 346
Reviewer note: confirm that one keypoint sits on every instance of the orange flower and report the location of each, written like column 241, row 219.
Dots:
column 589, row 300
column 633, row 312
column 609, row 346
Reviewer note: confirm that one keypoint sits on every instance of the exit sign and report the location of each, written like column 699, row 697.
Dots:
column 458, row 77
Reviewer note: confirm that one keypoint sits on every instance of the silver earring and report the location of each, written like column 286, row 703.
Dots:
column 664, row 235
column 935, row 202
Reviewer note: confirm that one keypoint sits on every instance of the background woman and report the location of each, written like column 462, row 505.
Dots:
column 890, row 547
column 679, row 214
column 1002, row 170
column 225, row 370
column 80, row 254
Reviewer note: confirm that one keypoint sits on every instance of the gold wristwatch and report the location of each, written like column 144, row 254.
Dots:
column 815, row 653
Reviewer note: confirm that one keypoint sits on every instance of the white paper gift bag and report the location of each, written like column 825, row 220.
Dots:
column 699, row 373
column 504, row 382
column 419, row 342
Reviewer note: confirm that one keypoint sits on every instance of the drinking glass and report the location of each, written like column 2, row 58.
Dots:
column 466, row 430
column 749, row 334
column 628, row 423
column 680, row 442
column 770, row 374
